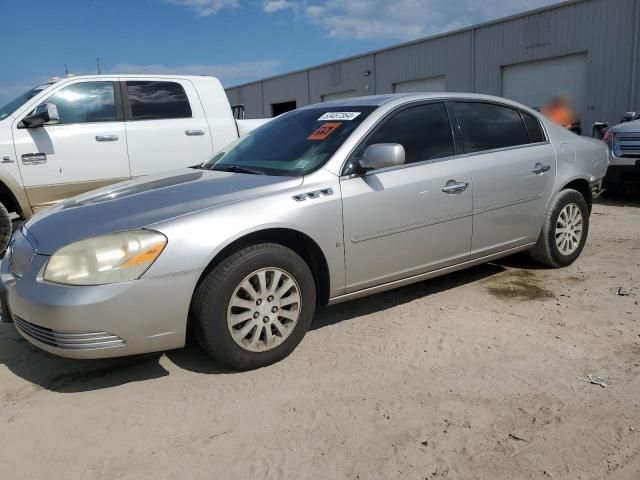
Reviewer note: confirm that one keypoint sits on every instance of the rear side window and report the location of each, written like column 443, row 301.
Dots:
column 424, row 131
column 486, row 126
column 85, row 103
column 536, row 135
column 157, row 100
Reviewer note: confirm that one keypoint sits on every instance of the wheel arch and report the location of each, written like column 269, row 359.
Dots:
column 297, row 241
column 13, row 197
column 582, row 186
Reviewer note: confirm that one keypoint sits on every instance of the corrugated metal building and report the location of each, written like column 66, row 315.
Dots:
column 585, row 49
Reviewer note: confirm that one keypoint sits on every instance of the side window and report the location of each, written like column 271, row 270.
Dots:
column 486, row 126
column 157, row 100
column 424, row 131
column 536, row 134
column 85, row 103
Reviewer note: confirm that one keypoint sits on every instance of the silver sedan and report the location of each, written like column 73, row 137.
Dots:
column 324, row 204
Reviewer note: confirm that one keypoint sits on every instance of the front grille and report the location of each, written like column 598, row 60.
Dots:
column 68, row 340
column 627, row 145
column 20, row 255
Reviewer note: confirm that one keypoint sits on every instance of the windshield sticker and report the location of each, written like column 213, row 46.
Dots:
column 301, row 164
column 324, row 131
column 344, row 116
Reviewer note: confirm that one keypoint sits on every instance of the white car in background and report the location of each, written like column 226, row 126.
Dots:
column 79, row 133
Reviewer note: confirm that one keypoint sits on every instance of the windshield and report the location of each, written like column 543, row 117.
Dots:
column 294, row 144
column 16, row 103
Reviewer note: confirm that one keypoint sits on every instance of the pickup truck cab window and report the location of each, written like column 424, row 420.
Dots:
column 294, row 144
column 157, row 100
column 85, row 102
column 423, row 130
column 487, row 126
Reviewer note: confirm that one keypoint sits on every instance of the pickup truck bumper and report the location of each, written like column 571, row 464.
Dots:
column 625, row 174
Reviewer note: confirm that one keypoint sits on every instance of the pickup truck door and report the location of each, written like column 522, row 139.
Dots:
column 513, row 168
column 407, row 220
column 166, row 125
column 87, row 149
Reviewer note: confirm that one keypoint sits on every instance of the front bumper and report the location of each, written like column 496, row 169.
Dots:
column 127, row 318
column 623, row 173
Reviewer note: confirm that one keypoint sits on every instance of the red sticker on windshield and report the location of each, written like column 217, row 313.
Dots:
column 324, row 131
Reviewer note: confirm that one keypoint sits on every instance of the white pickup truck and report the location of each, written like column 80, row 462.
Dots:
column 75, row 134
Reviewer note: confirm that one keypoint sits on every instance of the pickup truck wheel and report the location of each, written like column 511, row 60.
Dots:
column 564, row 231
column 254, row 308
column 6, row 228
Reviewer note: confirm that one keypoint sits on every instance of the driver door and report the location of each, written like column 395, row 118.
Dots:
column 87, row 149
column 406, row 220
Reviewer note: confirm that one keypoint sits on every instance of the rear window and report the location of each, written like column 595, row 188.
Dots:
column 536, row 134
column 486, row 126
column 157, row 100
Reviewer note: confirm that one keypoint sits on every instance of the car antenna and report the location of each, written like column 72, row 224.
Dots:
column 98, row 65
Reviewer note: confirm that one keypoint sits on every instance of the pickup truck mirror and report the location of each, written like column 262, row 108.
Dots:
column 383, row 155
column 597, row 129
column 629, row 116
column 44, row 114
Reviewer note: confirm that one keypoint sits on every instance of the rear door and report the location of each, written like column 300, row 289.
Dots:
column 166, row 125
column 406, row 220
column 513, row 168
column 87, row 149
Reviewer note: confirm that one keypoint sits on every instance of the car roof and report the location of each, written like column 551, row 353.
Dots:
column 398, row 98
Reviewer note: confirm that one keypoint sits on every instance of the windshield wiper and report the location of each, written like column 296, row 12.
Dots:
column 239, row 169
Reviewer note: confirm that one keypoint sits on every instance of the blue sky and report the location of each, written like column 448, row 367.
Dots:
column 236, row 40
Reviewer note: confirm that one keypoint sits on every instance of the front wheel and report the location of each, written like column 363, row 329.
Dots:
column 564, row 232
column 255, row 307
column 6, row 228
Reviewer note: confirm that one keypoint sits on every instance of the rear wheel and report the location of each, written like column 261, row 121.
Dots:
column 255, row 306
column 564, row 232
column 6, row 228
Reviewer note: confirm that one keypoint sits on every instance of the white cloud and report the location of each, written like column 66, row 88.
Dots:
column 227, row 73
column 204, row 8
column 272, row 6
column 406, row 19
column 378, row 19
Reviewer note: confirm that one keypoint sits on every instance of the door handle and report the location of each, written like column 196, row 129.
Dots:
column 34, row 158
column 7, row 159
column 106, row 138
column 455, row 187
column 540, row 168
column 194, row 133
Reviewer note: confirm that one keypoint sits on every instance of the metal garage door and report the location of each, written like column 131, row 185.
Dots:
column 434, row 84
column 535, row 83
column 338, row 96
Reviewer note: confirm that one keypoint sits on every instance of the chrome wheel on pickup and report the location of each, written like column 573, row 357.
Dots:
column 264, row 309
column 569, row 229
column 255, row 306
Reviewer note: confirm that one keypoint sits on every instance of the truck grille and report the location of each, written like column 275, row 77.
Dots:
column 68, row 340
column 626, row 145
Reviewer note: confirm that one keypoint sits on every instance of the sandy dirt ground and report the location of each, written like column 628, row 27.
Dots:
column 476, row 375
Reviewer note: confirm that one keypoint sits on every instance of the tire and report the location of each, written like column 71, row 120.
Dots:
column 6, row 228
column 234, row 290
column 550, row 249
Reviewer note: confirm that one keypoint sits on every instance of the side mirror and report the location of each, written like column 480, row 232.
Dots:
column 597, row 129
column 383, row 155
column 629, row 116
column 44, row 114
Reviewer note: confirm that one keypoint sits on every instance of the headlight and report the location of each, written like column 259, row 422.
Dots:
column 106, row 259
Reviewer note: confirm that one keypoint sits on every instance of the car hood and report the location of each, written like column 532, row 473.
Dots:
column 626, row 127
column 142, row 202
